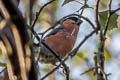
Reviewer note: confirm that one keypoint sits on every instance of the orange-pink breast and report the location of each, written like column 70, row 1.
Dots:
column 61, row 43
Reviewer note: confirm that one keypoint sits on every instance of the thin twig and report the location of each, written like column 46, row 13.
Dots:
column 49, row 73
column 79, row 2
column 91, row 69
column 115, row 11
column 53, row 52
column 85, row 5
column 96, row 14
column 57, row 56
column 38, row 14
column 3, row 70
column 108, row 19
column 74, row 52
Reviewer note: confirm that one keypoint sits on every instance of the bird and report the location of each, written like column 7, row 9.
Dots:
column 61, row 40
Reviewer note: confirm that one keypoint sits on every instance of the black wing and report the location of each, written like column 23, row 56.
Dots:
column 53, row 32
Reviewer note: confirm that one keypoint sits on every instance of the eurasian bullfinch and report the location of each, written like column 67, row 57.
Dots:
column 61, row 40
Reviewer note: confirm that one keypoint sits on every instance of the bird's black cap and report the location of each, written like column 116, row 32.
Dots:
column 78, row 21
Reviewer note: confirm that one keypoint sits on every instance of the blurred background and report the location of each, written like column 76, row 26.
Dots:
column 84, row 58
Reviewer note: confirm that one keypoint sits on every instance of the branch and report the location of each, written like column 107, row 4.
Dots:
column 108, row 19
column 115, row 11
column 85, row 5
column 54, row 53
column 38, row 14
column 62, row 19
column 96, row 14
column 91, row 69
column 99, row 58
column 49, row 73
column 3, row 70
column 31, row 4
